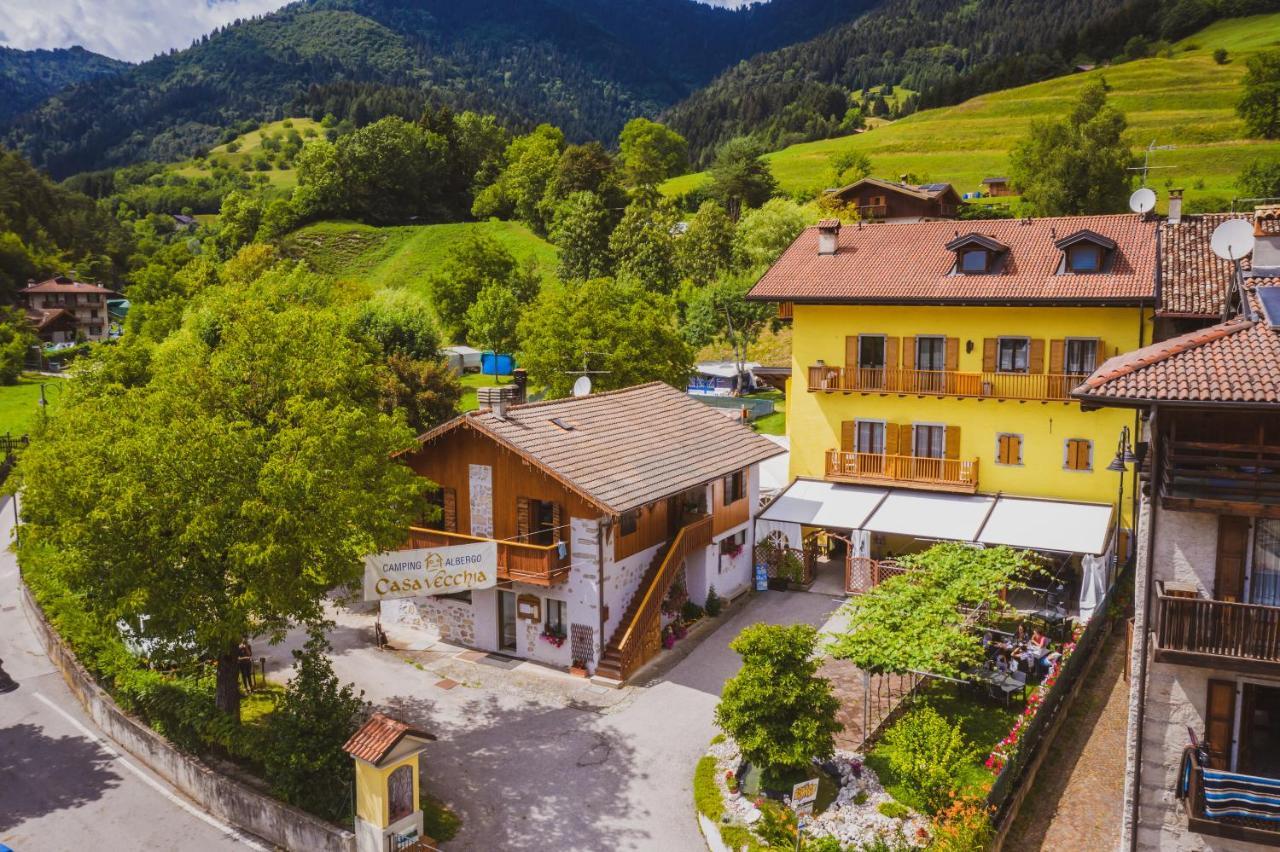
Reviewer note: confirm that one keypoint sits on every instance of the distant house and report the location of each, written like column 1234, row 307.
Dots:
column 996, row 186
column 183, row 222
column 64, row 310
column 886, row 201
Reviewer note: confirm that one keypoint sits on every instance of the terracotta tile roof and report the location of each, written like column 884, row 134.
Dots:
column 42, row 318
column 62, row 284
column 906, row 263
column 1236, row 361
column 1266, row 221
column 1193, row 280
column 378, row 736
column 626, row 448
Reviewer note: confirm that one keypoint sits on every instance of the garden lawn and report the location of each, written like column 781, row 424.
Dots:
column 20, row 403
column 984, row 722
column 471, row 381
column 1187, row 101
column 770, row 424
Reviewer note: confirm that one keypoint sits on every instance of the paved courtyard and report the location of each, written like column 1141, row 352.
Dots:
column 539, row 760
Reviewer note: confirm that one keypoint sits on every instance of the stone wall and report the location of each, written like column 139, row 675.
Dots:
column 454, row 620
column 230, row 800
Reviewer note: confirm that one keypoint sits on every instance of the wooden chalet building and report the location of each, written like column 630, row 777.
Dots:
column 1206, row 636
column 996, row 187
column 599, row 505
column 885, row 201
column 64, row 310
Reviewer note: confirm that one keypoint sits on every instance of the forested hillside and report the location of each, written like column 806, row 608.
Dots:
column 585, row 65
column 946, row 50
column 28, row 77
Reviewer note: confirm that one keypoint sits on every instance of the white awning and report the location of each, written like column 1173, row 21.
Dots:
column 824, row 504
column 926, row 514
column 774, row 472
column 1049, row 525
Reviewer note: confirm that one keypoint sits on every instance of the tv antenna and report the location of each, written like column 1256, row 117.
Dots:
column 582, row 386
column 1233, row 240
column 1146, row 160
column 1142, row 201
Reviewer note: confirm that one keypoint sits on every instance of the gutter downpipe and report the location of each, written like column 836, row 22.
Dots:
column 600, row 527
column 1157, row 474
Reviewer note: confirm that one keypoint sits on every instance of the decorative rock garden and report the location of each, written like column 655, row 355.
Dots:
column 856, row 816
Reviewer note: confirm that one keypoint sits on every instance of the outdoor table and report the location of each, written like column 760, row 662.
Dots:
column 1004, row 681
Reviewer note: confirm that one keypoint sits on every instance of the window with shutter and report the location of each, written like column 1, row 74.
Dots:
column 1035, row 356
column 951, row 445
column 1220, row 722
column 1013, row 354
column 989, row 346
column 869, row 437
column 522, row 518
column 1078, row 454
column 953, row 353
column 1233, row 545
column 1081, row 357
column 848, row 439
column 629, row 522
column 1008, row 448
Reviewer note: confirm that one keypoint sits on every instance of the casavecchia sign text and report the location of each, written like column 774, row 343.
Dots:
column 430, row 571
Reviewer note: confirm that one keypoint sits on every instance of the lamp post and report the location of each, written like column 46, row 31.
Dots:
column 1123, row 458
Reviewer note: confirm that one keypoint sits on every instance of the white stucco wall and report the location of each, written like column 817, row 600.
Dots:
column 621, row 580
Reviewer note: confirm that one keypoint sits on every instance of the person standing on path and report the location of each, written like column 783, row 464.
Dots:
column 246, row 664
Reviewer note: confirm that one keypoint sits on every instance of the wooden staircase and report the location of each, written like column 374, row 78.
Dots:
column 639, row 634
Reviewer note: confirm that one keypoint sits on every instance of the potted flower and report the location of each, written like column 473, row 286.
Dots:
column 668, row 637
column 553, row 636
column 579, row 668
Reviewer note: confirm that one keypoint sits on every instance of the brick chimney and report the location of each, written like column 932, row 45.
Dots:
column 828, row 236
column 1175, row 206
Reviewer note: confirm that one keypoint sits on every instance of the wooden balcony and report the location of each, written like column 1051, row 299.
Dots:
column 536, row 564
column 873, row 211
column 1027, row 387
column 1191, row 781
column 1235, row 478
column 910, row 471
column 1196, row 631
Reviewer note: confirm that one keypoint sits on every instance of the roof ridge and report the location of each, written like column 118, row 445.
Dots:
column 1166, row 349
column 566, row 400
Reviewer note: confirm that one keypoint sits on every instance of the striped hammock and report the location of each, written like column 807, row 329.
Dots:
column 1230, row 794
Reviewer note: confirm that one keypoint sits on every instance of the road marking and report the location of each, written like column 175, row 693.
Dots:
column 229, row 831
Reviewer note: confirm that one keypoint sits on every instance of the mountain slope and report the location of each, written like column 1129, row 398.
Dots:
column 28, row 77
column 945, row 49
column 1186, row 101
column 586, row 65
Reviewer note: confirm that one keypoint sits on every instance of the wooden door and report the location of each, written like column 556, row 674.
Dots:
column 1220, row 722
column 1233, row 548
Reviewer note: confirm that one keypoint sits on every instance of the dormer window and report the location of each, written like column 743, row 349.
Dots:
column 977, row 254
column 1085, row 253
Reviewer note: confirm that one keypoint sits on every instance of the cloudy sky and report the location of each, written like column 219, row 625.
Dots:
column 126, row 29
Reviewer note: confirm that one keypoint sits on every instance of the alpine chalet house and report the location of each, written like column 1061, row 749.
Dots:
column 600, row 505
column 1204, row 714
column 879, row 200
column 932, row 369
column 64, row 310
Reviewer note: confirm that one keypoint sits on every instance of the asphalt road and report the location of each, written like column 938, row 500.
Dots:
column 62, row 786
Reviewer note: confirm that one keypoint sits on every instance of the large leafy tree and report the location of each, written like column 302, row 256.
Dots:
column 764, row 233
column 16, row 338
column 1079, row 164
column 469, row 266
column 705, row 250
column 651, row 152
column 1261, row 178
column 247, row 473
column 530, row 164
column 777, row 708
column 644, row 245
column 493, row 317
column 622, row 330
column 1260, row 104
column 720, row 313
column 740, row 177
column 581, row 231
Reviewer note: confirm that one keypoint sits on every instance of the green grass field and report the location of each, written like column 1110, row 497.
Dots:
column 249, row 145
column 1187, row 101
column 20, row 403
column 403, row 256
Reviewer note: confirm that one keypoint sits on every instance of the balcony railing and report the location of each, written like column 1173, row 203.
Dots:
column 537, row 564
column 1228, row 804
column 1219, row 634
column 1018, row 386
column 915, row 471
column 1212, row 475
column 873, row 211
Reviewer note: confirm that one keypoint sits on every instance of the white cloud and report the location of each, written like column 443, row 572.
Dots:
column 126, row 29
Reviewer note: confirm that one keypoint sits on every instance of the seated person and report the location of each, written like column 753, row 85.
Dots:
column 1002, row 663
column 1020, row 635
column 1039, row 641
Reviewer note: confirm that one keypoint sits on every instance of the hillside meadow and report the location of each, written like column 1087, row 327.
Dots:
column 1187, row 101
column 246, row 147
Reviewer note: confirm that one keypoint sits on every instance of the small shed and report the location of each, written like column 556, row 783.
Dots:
column 463, row 359
column 386, row 754
column 996, row 186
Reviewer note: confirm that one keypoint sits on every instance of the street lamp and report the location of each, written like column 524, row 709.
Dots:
column 1123, row 458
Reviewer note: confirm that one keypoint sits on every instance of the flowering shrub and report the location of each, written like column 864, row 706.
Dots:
column 554, row 637
column 1008, row 747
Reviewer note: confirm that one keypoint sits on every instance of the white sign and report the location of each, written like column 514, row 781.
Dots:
column 804, row 793
column 431, row 571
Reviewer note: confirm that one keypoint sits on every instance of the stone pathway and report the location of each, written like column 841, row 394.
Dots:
column 1077, row 798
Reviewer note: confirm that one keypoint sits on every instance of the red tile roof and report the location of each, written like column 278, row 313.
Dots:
column 1193, row 280
column 62, row 284
column 626, row 448
column 908, row 263
column 378, row 736
column 1237, row 361
column 42, row 318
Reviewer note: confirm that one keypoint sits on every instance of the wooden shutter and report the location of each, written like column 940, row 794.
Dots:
column 449, row 501
column 1233, row 544
column 908, row 353
column 891, row 446
column 1220, row 722
column 951, row 442
column 1057, row 356
column 1015, row 449
column 953, row 353
column 848, row 436
column 1002, row 449
column 1102, row 354
column 1035, row 356
column 989, row 355
column 851, row 352
column 891, row 352
column 556, row 522
column 522, row 518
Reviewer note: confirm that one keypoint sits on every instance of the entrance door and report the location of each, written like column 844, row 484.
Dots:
column 931, row 360
column 506, row 621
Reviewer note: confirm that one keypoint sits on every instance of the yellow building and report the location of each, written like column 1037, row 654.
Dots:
column 940, row 356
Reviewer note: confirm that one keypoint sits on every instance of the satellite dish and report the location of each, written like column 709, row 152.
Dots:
column 1233, row 239
column 1143, row 200
column 582, row 386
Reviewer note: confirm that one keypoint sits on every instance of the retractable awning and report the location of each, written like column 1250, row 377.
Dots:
column 1049, row 525
column 824, row 504
column 1032, row 523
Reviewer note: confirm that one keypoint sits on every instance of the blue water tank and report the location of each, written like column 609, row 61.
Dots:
column 493, row 364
